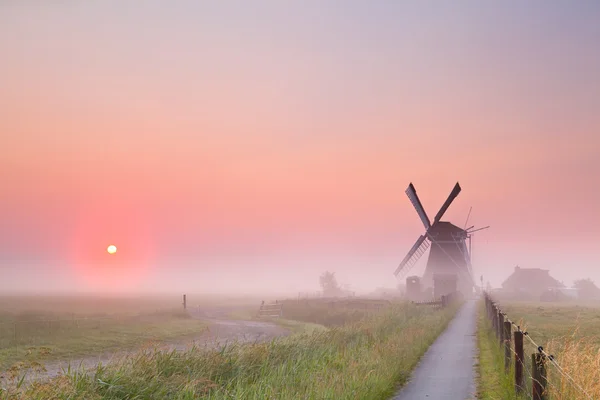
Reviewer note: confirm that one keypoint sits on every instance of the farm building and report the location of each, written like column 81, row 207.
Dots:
column 530, row 282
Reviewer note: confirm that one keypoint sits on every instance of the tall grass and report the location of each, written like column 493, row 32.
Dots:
column 579, row 360
column 567, row 331
column 322, row 312
column 361, row 360
column 493, row 382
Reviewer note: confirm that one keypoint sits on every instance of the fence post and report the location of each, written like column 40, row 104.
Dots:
column 494, row 317
column 184, row 302
column 500, row 327
column 507, row 337
column 519, row 361
column 538, row 380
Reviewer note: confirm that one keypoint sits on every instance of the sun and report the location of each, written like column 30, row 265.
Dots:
column 112, row 249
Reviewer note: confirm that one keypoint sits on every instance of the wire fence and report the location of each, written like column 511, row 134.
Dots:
column 536, row 376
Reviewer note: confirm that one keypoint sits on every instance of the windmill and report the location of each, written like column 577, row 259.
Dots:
column 449, row 264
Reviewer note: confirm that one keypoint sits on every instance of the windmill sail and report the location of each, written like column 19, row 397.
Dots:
column 449, row 201
column 414, row 199
column 418, row 249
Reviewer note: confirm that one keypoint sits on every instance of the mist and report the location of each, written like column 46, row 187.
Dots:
column 220, row 156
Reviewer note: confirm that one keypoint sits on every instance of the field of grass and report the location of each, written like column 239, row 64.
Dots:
column 548, row 321
column 571, row 333
column 365, row 359
column 44, row 339
column 322, row 313
column 307, row 315
column 36, row 329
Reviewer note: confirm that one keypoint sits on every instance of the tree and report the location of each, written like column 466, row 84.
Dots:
column 329, row 284
column 587, row 289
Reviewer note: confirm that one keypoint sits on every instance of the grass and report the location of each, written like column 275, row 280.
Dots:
column 299, row 327
column 366, row 359
column 493, row 382
column 306, row 316
column 569, row 332
column 322, row 313
column 548, row 321
column 40, row 328
column 44, row 337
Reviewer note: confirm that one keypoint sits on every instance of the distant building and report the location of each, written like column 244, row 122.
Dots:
column 530, row 281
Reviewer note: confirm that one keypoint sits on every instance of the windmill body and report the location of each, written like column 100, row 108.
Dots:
column 448, row 259
column 448, row 266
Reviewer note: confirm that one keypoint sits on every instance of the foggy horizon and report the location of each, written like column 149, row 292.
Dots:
column 249, row 149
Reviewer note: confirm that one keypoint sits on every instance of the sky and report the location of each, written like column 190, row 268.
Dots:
column 250, row 146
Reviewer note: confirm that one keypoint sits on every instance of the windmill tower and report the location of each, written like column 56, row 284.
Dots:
column 449, row 265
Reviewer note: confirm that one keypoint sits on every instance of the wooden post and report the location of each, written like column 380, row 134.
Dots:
column 519, row 388
column 500, row 327
column 184, row 302
column 538, row 380
column 494, row 316
column 507, row 337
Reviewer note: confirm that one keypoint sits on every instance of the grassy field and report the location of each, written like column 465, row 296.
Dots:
column 36, row 329
column 548, row 321
column 325, row 313
column 46, row 339
column 366, row 359
column 571, row 333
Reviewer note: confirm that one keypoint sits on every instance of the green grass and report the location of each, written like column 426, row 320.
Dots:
column 40, row 328
column 322, row 313
column 295, row 326
column 367, row 359
column 493, row 382
column 41, row 337
column 299, row 327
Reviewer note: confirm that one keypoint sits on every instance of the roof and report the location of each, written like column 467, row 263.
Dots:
column 527, row 276
column 444, row 230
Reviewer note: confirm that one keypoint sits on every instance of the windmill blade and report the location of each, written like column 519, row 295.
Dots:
column 414, row 199
column 449, row 201
column 468, row 215
column 480, row 229
column 415, row 253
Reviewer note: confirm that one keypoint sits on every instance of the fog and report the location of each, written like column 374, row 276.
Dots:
column 246, row 151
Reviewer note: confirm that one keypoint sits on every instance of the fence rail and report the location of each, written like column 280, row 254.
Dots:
column 272, row 310
column 443, row 302
column 536, row 387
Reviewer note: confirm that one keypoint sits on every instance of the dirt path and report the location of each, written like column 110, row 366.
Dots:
column 447, row 370
column 220, row 331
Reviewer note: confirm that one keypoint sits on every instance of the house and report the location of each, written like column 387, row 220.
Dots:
column 529, row 282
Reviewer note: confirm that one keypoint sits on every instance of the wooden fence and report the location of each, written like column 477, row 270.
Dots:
column 443, row 302
column 271, row 310
column 530, row 374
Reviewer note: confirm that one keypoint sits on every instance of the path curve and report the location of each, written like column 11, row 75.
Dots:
column 447, row 370
column 219, row 332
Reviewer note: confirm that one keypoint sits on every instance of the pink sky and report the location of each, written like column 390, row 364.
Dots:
column 253, row 145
